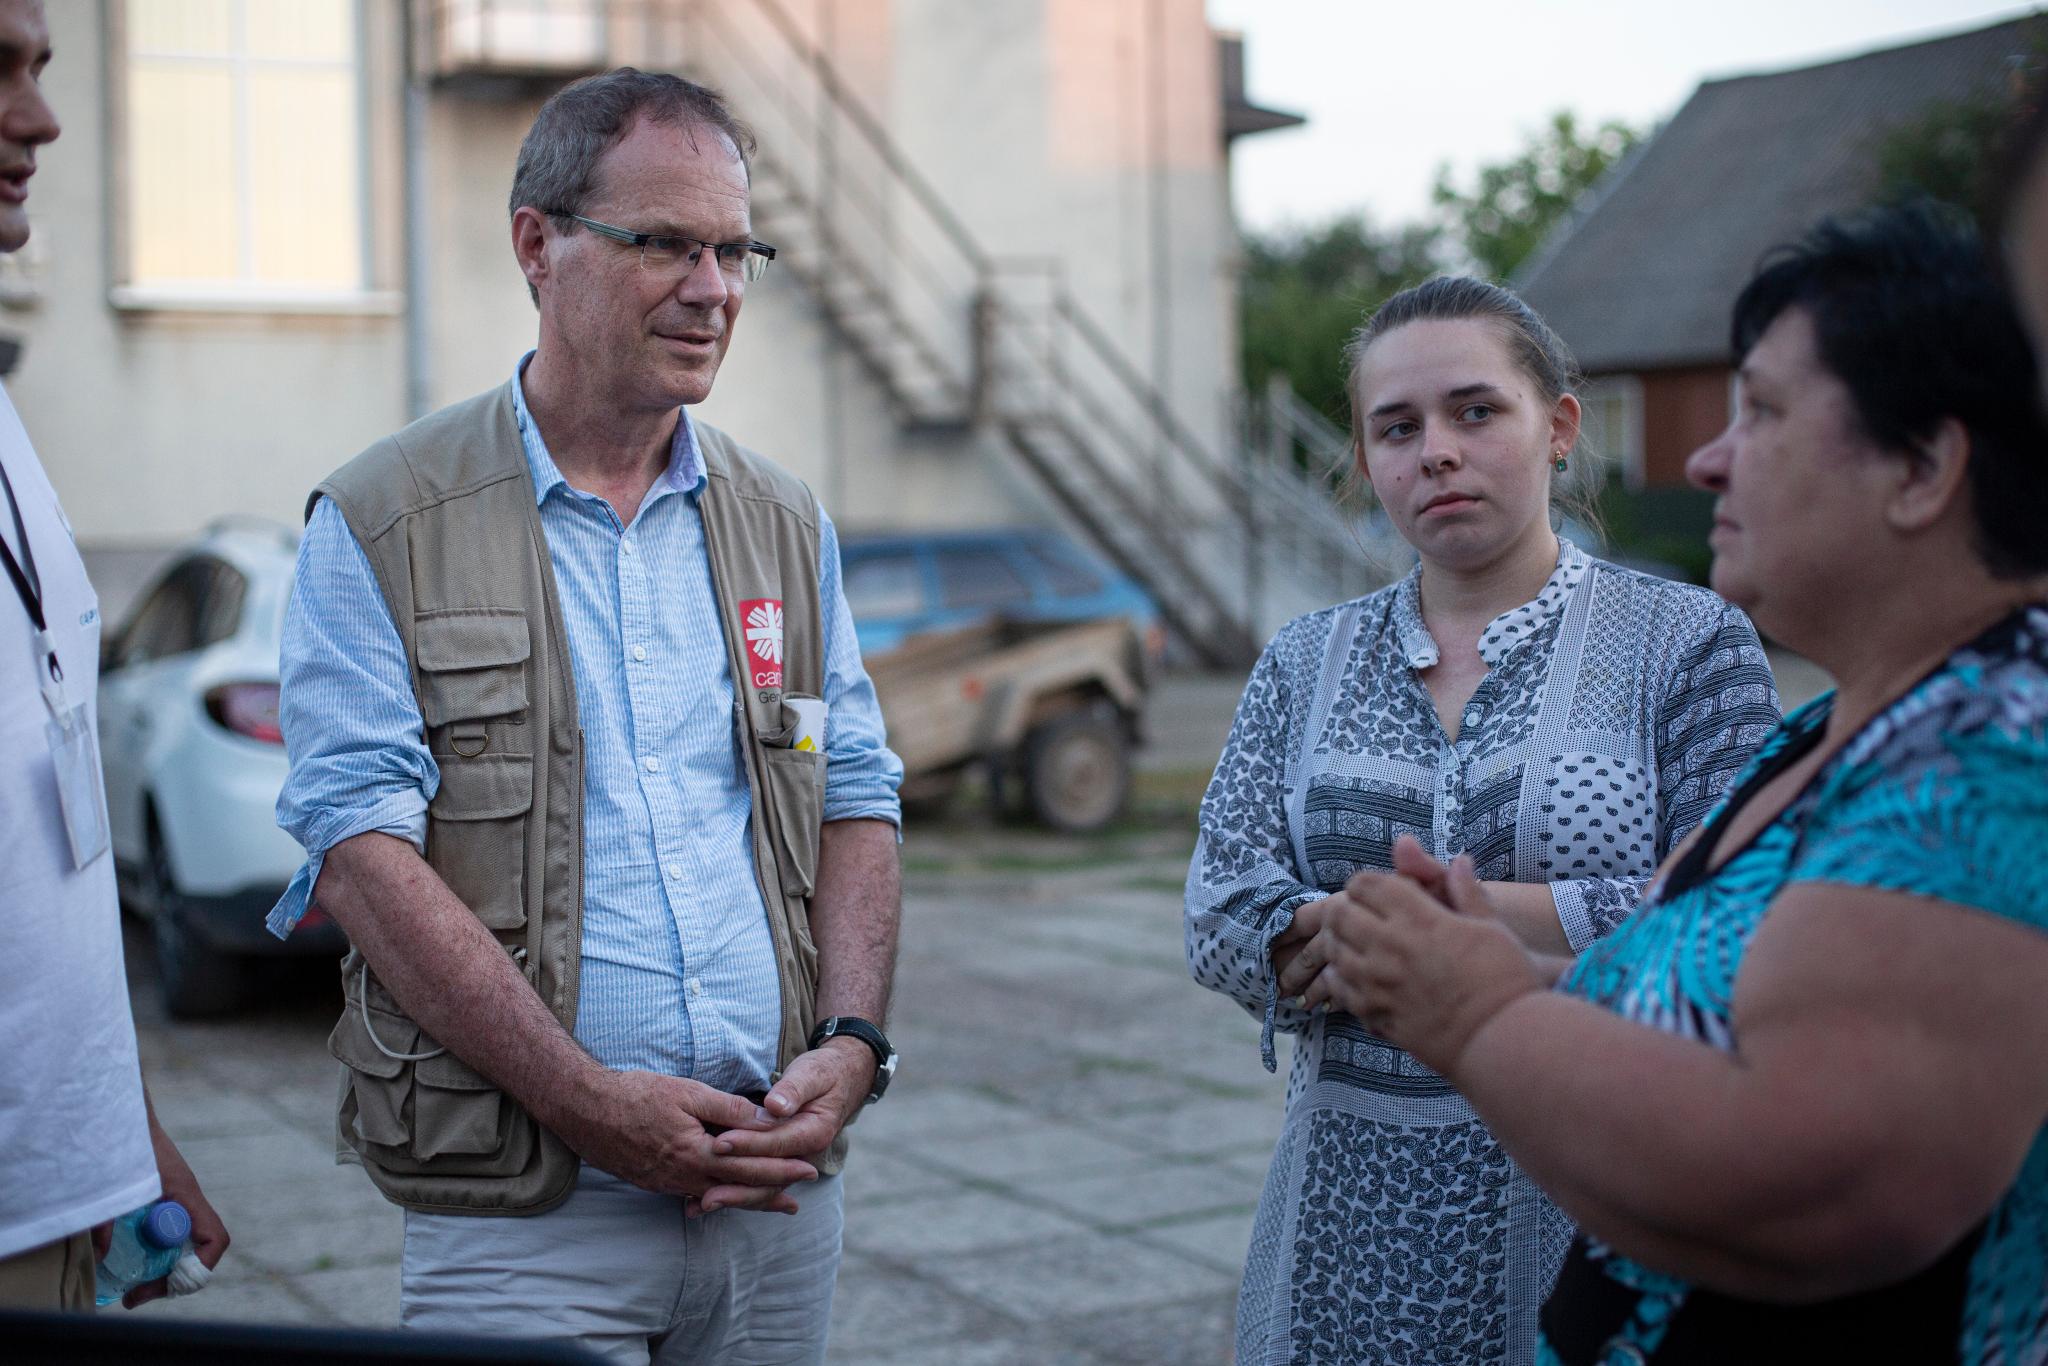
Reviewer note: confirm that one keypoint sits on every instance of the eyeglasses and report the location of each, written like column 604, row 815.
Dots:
column 664, row 251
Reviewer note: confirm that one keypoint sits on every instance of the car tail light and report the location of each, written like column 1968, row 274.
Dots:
column 247, row 709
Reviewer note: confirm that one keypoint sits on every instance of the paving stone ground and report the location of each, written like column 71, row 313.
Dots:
column 1065, row 1170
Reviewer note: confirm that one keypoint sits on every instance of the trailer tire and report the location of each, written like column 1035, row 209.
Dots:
column 1077, row 769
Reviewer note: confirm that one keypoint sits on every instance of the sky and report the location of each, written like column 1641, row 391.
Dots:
column 1394, row 88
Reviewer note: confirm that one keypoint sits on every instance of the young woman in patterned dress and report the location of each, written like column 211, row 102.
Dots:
column 1798, row 1101
column 1561, row 720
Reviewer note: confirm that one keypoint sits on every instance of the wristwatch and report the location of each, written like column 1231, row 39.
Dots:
column 854, row 1027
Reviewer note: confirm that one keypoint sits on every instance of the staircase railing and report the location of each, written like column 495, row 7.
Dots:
column 957, row 336
column 1304, row 466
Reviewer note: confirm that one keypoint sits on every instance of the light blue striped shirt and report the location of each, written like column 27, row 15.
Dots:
column 678, row 971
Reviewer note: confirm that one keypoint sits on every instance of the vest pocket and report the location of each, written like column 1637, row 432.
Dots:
column 796, row 800
column 476, row 839
column 378, row 1085
column 419, row 1115
column 472, row 663
column 455, row 1110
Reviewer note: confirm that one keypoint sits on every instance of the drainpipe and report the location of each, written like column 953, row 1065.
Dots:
column 413, row 105
column 827, row 203
column 1162, row 264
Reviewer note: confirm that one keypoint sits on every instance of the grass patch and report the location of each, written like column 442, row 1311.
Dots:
column 1176, row 790
column 1193, row 1216
column 1223, row 1090
column 990, row 1091
column 1155, row 831
column 1095, row 1064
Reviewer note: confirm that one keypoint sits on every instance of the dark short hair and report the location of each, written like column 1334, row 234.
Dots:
column 1536, row 350
column 1909, row 313
column 587, row 118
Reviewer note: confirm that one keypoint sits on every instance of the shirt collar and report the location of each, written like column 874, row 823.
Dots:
column 685, row 472
column 1506, row 631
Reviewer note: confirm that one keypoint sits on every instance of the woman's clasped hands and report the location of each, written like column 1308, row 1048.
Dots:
column 1417, row 954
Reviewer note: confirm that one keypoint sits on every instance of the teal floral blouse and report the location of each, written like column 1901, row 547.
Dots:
column 1944, row 795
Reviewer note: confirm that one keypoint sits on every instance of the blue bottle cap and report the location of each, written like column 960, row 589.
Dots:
column 166, row 1225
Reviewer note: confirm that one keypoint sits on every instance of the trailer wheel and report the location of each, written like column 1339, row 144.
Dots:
column 1077, row 769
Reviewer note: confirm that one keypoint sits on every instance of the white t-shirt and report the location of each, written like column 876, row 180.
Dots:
column 74, row 1137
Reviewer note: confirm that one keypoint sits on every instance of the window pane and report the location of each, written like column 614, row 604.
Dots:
column 979, row 578
column 302, row 153
column 243, row 136
column 883, row 586
column 302, row 30
column 168, row 624
column 181, row 171
column 187, row 26
column 221, row 613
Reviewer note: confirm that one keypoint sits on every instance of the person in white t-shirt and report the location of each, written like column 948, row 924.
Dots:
column 79, row 1143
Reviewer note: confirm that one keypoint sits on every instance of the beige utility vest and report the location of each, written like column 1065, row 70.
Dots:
column 445, row 512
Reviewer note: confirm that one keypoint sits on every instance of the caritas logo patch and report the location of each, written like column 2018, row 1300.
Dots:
column 761, row 619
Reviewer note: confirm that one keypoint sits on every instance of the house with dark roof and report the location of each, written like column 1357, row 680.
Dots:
column 1639, row 281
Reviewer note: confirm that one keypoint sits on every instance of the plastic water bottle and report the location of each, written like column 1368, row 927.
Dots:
column 146, row 1245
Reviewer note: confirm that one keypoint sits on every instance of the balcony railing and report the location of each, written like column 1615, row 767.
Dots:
column 517, row 39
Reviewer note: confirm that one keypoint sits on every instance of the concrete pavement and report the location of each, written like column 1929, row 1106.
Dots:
column 1065, row 1170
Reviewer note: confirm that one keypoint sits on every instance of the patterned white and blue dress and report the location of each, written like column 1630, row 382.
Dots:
column 1944, row 795
column 1616, row 709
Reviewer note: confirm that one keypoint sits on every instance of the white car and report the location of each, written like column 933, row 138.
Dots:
column 194, row 761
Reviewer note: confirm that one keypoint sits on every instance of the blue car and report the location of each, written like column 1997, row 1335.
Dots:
column 903, row 585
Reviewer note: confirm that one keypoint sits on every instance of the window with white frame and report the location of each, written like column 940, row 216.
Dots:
column 242, row 150
column 1611, row 429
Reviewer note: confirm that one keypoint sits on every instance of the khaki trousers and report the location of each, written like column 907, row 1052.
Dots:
column 55, row 1276
column 620, row 1272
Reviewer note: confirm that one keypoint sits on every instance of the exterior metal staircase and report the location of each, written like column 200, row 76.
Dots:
column 959, row 338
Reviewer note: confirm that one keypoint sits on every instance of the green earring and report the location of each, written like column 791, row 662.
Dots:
column 1560, row 462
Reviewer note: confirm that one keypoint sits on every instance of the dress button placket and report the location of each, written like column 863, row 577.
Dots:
column 1447, row 801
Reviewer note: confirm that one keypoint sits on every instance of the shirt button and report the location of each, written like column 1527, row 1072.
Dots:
column 639, row 652
column 675, row 872
column 651, row 764
column 626, row 547
column 694, row 987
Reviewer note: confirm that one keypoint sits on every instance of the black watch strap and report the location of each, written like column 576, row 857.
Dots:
column 852, row 1026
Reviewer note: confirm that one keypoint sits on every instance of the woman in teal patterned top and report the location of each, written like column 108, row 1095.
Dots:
column 1797, row 1105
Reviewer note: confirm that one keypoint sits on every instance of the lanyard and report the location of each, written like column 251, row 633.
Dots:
column 28, row 583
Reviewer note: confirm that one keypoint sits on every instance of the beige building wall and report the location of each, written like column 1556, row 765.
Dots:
column 1043, row 124
column 155, row 422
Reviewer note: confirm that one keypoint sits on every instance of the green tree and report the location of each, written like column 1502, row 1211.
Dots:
column 1511, row 208
column 1949, row 151
column 1304, row 293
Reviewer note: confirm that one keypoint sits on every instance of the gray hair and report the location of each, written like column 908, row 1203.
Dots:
column 1536, row 350
column 587, row 118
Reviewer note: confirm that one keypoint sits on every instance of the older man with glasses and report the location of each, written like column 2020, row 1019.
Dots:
column 585, row 762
